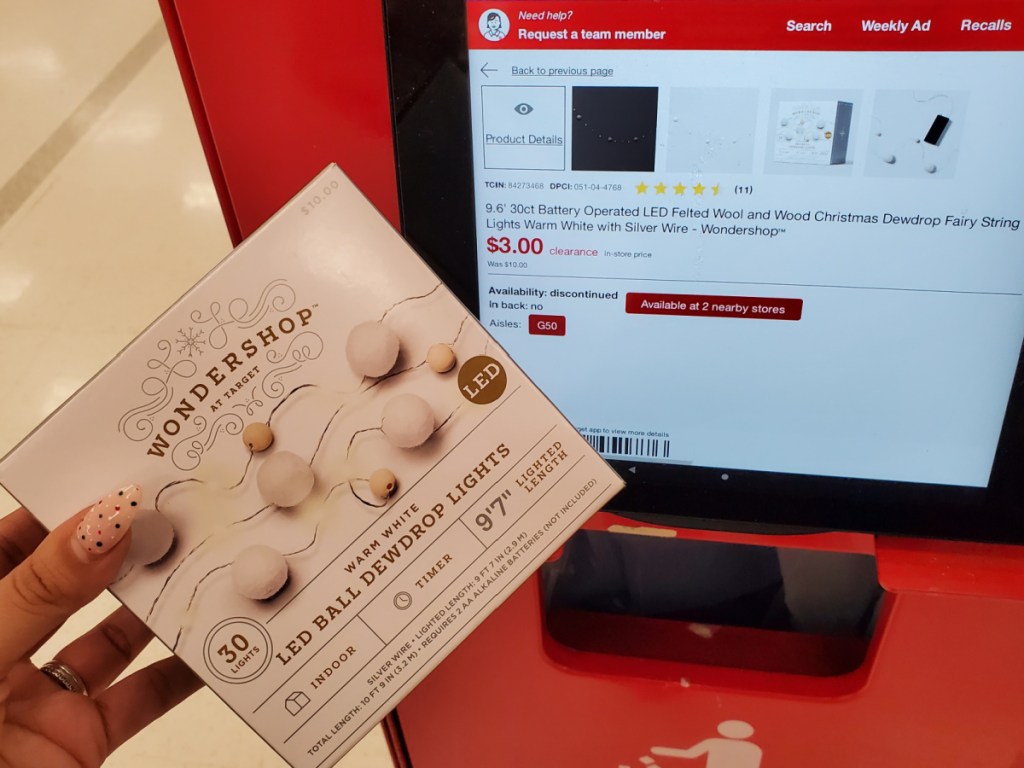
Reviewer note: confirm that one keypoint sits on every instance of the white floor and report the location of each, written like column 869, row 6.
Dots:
column 107, row 215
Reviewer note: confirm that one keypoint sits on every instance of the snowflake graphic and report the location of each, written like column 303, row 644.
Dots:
column 190, row 341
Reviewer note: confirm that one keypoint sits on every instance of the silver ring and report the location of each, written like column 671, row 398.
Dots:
column 64, row 676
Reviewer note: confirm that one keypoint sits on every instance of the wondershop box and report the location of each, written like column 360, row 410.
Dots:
column 813, row 132
column 342, row 473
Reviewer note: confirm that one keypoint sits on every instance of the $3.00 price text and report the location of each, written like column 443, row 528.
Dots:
column 524, row 245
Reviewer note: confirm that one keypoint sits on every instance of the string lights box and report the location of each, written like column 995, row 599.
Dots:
column 813, row 132
column 331, row 452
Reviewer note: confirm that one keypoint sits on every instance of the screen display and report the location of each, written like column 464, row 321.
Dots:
column 773, row 237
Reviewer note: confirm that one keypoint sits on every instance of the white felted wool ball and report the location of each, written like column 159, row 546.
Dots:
column 407, row 421
column 259, row 572
column 284, row 479
column 152, row 537
column 371, row 349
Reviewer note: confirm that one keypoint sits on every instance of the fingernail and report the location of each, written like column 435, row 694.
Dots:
column 108, row 520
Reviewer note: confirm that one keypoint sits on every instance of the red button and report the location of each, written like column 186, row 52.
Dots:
column 547, row 325
column 750, row 307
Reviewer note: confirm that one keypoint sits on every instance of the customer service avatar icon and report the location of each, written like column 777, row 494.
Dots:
column 494, row 24
column 732, row 750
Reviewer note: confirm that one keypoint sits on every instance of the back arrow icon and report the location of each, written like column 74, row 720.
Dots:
column 485, row 70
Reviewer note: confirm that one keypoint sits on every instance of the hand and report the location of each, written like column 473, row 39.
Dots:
column 45, row 579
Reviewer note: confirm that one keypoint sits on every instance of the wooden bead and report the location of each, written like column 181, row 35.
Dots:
column 257, row 436
column 383, row 483
column 441, row 358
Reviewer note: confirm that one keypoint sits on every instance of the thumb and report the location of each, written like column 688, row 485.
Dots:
column 71, row 566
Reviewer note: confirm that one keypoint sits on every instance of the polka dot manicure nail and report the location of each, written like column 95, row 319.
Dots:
column 108, row 520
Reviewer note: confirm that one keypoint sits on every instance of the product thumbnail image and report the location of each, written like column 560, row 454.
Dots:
column 813, row 132
column 614, row 128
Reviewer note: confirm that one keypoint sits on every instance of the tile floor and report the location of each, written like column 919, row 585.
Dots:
column 104, row 192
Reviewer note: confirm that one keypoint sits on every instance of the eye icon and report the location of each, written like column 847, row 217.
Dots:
column 523, row 108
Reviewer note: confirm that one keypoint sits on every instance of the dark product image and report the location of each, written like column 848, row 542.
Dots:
column 614, row 129
column 938, row 130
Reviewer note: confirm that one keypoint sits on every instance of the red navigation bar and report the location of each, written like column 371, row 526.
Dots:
column 777, row 25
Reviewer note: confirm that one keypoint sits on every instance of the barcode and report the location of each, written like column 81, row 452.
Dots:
column 649, row 447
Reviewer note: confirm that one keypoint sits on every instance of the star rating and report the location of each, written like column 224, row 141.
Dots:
column 677, row 189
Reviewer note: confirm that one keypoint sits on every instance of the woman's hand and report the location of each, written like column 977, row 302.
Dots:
column 45, row 720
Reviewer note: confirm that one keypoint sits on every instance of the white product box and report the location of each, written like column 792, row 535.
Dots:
column 813, row 132
column 377, row 590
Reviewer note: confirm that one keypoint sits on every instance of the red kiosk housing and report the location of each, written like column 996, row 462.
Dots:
column 278, row 91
